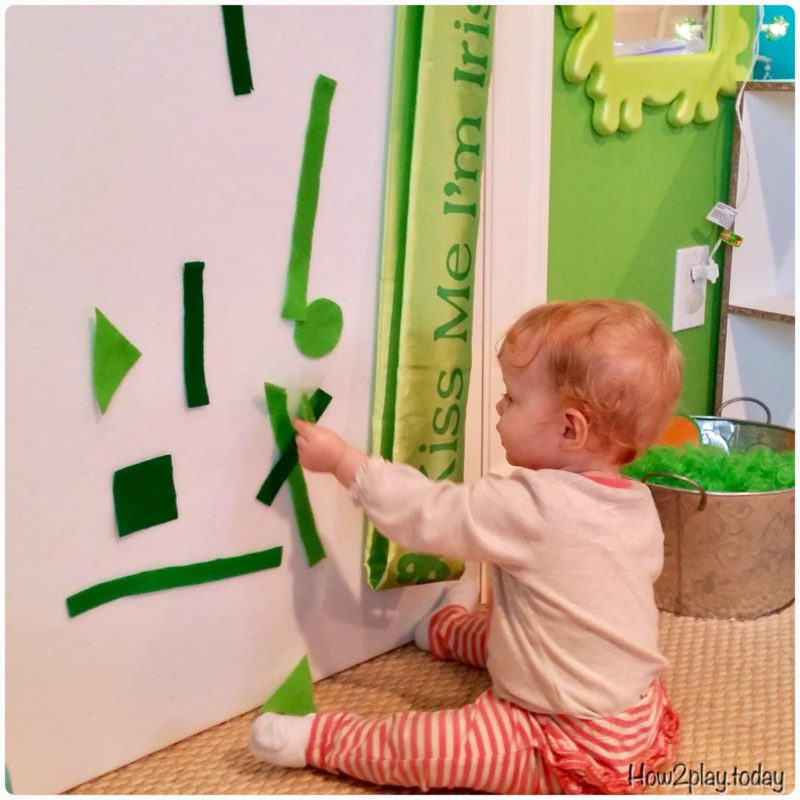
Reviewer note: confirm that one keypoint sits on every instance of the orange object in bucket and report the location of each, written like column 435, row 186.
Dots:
column 681, row 430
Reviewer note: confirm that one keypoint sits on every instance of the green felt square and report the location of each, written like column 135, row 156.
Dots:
column 144, row 495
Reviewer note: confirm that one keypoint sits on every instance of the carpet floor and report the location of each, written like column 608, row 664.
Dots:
column 731, row 681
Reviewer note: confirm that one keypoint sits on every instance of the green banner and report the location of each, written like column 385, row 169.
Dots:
column 424, row 337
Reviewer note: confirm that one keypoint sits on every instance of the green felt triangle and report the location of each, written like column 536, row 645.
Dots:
column 295, row 695
column 113, row 358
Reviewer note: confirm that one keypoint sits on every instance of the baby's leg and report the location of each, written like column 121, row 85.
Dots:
column 451, row 631
column 456, row 634
column 482, row 746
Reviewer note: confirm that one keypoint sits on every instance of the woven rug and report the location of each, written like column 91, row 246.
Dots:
column 731, row 681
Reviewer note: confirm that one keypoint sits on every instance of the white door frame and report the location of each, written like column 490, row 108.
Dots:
column 516, row 185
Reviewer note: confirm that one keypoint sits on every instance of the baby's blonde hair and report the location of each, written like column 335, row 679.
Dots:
column 612, row 360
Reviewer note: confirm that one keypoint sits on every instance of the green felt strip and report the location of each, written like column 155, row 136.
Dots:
column 288, row 458
column 194, row 371
column 282, row 429
column 236, row 41
column 295, row 696
column 295, row 302
column 113, row 356
column 144, row 495
column 156, row 580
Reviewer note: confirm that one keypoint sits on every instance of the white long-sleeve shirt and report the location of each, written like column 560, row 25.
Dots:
column 574, row 625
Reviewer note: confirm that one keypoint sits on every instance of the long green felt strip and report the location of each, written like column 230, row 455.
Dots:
column 295, row 303
column 236, row 41
column 194, row 371
column 156, row 580
column 283, row 431
column 288, row 458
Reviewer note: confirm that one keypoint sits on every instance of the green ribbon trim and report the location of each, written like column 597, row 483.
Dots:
column 423, row 341
column 156, row 580
column 408, row 41
column 194, row 371
column 236, row 42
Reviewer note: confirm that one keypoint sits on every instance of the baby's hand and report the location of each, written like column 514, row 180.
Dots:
column 319, row 449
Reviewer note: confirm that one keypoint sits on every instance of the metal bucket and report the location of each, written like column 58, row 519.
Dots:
column 727, row 554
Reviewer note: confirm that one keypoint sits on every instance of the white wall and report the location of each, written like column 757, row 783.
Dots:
column 127, row 155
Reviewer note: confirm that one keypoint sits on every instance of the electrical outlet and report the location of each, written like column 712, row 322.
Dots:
column 689, row 298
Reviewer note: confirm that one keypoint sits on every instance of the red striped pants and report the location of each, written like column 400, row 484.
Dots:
column 492, row 745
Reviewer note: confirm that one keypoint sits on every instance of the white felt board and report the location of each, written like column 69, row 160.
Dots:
column 128, row 155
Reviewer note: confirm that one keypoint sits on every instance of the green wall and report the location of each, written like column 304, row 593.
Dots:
column 621, row 205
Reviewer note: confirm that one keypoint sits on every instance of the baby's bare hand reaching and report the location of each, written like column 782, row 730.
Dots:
column 319, row 449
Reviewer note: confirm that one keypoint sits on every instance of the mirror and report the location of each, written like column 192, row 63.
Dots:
column 666, row 30
column 620, row 85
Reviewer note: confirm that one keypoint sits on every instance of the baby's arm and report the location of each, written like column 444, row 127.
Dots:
column 475, row 522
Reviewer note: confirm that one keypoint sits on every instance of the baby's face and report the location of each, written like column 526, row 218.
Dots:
column 531, row 417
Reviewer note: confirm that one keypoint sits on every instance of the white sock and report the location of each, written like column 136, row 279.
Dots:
column 281, row 739
column 463, row 592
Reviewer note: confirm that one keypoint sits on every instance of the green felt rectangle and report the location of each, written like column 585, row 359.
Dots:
column 194, row 371
column 144, row 495
column 156, row 580
column 236, row 42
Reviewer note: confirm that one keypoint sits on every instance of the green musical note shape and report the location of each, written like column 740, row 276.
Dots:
column 318, row 325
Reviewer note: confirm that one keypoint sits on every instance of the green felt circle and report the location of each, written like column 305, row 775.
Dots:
column 319, row 332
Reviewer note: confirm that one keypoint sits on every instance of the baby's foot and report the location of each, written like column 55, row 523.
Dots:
column 281, row 739
column 463, row 592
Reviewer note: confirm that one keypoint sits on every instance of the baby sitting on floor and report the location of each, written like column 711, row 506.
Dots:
column 571, row 638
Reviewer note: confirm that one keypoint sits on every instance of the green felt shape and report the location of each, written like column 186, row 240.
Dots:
column 113, row 357
column 144, row 495
column 8, row 781
column 194, row 373
column 236, row 42
column 288, row 458
column 320, row 331
column 319, row 324
column 295, row 696
column 277, row 406
column 156, row 580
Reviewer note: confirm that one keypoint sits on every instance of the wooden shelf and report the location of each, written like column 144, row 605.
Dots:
column 777, row 309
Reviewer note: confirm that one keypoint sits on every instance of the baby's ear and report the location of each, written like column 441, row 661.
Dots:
column 575, row 430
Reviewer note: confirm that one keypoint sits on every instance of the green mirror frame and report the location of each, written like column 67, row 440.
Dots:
column 620, row 86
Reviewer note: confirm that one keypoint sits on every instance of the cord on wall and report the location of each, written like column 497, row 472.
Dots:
column 744, row 184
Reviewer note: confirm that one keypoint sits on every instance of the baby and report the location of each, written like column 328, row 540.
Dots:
column 571, row 638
